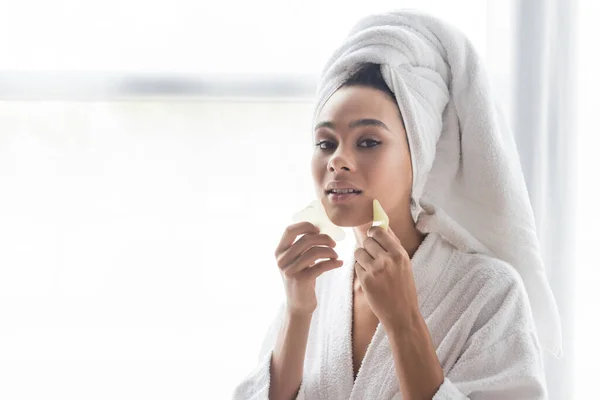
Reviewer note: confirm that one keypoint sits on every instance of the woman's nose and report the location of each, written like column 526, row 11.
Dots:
column 339, row 161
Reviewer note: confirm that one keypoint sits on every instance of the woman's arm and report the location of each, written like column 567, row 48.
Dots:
column 287, row 361
column 501, row 358
column 280, row 360
column 417, row 366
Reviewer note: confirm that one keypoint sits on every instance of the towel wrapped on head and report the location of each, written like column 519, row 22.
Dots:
column 468, row 185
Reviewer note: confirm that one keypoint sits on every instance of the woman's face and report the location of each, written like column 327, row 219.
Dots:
column 360, row 140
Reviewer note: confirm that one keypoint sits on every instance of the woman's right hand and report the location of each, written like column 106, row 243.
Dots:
column 296, row 262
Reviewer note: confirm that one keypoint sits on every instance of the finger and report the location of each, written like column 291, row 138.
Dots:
column 360, row 271
column 384, row 238
column 308, row 259
column 363, row 258
column 373, row 247
column 290, row 234
column 301, row 245
column 359, row 266
column 323, row 266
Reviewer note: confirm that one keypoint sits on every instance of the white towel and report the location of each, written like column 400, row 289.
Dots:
column 468, row 185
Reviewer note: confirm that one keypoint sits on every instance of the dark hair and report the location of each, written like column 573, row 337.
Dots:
column 369, row 74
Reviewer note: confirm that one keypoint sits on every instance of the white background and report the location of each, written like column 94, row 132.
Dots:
column 136, row 237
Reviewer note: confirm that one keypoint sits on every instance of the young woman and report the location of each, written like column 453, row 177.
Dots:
column 451, row 301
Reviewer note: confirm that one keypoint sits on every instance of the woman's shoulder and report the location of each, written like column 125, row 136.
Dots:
column 477, row 271
column 490, row 291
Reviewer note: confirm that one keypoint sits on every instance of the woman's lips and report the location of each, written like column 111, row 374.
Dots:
column 342, row 198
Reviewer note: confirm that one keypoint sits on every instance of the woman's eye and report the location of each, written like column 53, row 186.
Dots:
column 371, row 143
column 327, row 145
column 323, row 144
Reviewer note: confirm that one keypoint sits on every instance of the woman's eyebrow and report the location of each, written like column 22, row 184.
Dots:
column 354, row 124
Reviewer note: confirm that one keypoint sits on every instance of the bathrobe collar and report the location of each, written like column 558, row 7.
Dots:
column 377, row 370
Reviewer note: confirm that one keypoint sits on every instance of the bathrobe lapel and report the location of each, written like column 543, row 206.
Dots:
column 376, row 377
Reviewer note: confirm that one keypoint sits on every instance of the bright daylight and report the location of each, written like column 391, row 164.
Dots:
column 317, row 200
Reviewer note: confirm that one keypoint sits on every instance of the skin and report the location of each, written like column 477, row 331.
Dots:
column 375, row 158
column 370, row 157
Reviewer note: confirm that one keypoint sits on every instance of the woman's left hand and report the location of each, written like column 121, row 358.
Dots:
column 385, row 273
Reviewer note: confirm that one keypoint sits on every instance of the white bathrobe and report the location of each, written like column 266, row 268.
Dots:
column 478, row 315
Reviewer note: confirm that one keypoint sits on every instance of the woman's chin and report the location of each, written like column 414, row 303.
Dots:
column 349, row 220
